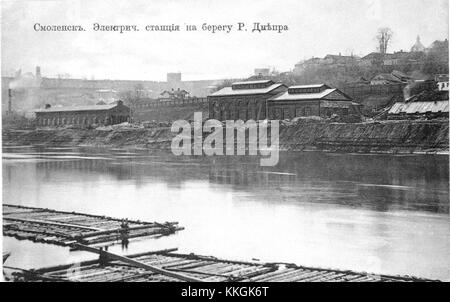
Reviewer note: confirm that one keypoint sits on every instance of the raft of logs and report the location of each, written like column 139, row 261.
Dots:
column 167, row 266
column 66, row 228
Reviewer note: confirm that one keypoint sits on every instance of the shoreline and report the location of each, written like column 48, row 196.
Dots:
column 387, row 137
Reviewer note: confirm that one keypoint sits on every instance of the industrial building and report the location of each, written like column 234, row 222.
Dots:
column 243, row 100
column 427, row 104
column 310, row 100
column 83, row 116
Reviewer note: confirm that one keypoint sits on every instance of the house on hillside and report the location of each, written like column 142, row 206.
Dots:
column 395, row 77
column 179, row 94
column 340, row 60
column 310, row 63
column 442, row 81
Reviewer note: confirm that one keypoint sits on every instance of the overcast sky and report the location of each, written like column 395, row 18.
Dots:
column 316, row 28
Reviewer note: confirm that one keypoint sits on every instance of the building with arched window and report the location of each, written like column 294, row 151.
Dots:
column 310, row 100
column 243, row 100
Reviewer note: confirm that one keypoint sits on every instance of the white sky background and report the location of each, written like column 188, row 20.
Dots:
column 316, row 28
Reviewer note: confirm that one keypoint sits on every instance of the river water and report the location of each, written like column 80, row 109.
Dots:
column 378, row 213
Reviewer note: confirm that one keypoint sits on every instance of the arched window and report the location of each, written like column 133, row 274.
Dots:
column 307, row 111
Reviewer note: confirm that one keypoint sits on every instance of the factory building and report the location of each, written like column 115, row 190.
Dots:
column 243, row 100
column 310, row 100
column 83, row 116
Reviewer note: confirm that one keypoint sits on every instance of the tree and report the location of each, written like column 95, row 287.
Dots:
column 436, row 60
column 384, row 37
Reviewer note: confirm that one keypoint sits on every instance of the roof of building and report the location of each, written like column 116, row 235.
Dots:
column 429, row 96
column 228, row 91
column 306, row 96
column 79, row 108
column 441, row 77
column 419, row 107
column 372, row 55
column 308, row 86
column 400, row 75
column 252, row 82
column 336, row 104
column 387, row 77
column 341, row 58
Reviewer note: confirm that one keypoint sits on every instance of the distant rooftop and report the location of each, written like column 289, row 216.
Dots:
column 79, row 108
column 308, row 86
column 253, row 82
column 304, row 89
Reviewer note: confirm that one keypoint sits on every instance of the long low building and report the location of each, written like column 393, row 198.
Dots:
column 83, row 115
column 310, row 100
column 419, row 109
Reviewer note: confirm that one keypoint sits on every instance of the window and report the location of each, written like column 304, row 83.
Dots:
column 307, row 111
column 277, row 113
column 287, row 113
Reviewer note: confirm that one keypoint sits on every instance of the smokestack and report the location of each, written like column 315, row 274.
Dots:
column 38, row 71
column 9, row 101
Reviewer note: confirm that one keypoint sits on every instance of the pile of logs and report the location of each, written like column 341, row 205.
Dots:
column 66, row 228
column 172, row 267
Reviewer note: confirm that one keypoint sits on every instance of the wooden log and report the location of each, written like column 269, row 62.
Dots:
column 139, row 264
column 51, row 223
column 93, row 262
column 116, row 230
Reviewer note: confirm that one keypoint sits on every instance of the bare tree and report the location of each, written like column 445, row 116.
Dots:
column 384, row 37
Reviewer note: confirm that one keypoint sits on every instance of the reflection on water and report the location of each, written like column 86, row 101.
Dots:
column 379, row 213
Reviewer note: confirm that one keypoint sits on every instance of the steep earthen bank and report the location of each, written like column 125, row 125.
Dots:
column 389, row 136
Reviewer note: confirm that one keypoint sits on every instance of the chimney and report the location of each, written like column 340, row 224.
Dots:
column 9, row 101
column 38, row 71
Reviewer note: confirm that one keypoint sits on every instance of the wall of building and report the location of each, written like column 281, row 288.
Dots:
column 113, row 116
column 243, row 107
column 280, row 110
column 238, row 107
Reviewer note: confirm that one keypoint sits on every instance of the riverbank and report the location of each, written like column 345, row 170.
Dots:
column 374, row 137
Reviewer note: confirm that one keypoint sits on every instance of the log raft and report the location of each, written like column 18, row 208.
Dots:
column 66, row 228
column 168, row 266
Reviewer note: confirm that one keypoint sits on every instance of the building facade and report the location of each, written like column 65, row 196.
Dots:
column 83, row 116
column 310, row 100
column 243, row 100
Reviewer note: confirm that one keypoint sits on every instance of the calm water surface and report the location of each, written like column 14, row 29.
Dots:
column 377, row 213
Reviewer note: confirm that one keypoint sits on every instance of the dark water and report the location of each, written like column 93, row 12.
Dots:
column 378, row 213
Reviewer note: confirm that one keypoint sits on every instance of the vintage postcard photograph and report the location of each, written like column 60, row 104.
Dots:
column 225, row 142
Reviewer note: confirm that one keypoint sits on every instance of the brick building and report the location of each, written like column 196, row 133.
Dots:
column 243, row 100
column 310, row 100
column 83, row 115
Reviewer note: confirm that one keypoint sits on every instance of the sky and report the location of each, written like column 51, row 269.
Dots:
column 315, row 28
